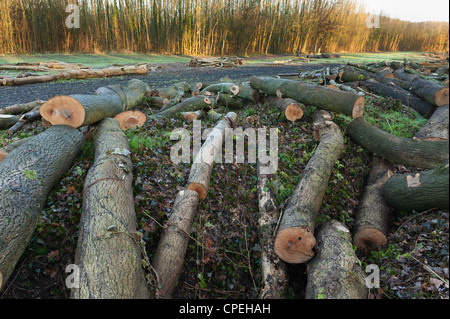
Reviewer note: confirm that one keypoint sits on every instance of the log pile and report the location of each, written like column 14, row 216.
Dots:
column 73, row 73
column 221, row 62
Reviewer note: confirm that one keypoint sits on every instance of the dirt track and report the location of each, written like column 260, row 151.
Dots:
column 166, row 75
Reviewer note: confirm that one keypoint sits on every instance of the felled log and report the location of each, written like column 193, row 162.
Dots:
column 158, row 102
column 419, row 192
column 192, row 104
column 309, row 94
column 4, row 151
column 169, row 257
column 191, row 116
column 27, row 175
column 6, row 120
column 437, row 127
column 130, row 119
column 30, row 116
column 201, row 169
column 398, row 150
column 291, row 108
column 214, row 115
column 81, row 110
column 229, row 88
column 373, row 213
column 274, row 270
column 107, row 251
column 431, row 91
column 295, row 239
column 230, row 101
column 407, row 98
column 77, row 74
column 21, row 108
column 335, row 272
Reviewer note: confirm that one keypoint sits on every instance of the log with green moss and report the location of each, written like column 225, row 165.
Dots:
column 6, row 121
column 192, row 104
column 325, row 98
column 437, row 127
column 295, row 239
column 108, row 250
column 335, row 272
column 419, row 191
column 398, row 150
column 27, row 175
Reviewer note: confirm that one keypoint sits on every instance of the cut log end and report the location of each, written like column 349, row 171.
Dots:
column 130, row 119
column 442, row 96
column 295, row 245
column 63, row 110
column 365, row 238
column 358, row 108
column 199, row 188
column 293, row 112
column 2, row 155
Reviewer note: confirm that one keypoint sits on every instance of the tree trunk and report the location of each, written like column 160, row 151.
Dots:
column 232, row 102
column 108, row 252
column 419, row 192
column 201, row 169
column 191, row 116
column 437, row 127
column 81, row 110
column 77, row 74
column 295, row 239
column 169, row 257
column 27, row 175
column 32, row 115
column 398, row 150
column 372, row 215
column 192, row 104
column 335, row 272
column 274, row 271
column 407, row 98
column 430, row 91
column 10, row 147
column 228, row 88
column 291, row 108
column 6, row 120
column 309, row 94
column 21, row 108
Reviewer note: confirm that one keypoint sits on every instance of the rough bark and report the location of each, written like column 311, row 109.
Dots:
column 419, row 192
column 27, row 176
column 309, row 94
column 373, row 213
column 108, row 252
column 407, row 98
column 229, row 101
column 437, row 127
column 274, row 270
column 291, row 108
column 201, row 169
column 171, row 251
column 81, row 110
column 295, row 238
column 398, row 150
column 335, row 272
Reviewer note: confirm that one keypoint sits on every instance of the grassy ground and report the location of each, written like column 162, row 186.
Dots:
column 223, row 256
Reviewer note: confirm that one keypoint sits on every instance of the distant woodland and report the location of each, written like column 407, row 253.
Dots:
column 209, row 27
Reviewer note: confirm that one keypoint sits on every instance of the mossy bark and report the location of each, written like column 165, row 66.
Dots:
column 419, row 192
column 309, row 94
column 27, row 176
column 398, row 150
column 108, row 253
column 335, row 272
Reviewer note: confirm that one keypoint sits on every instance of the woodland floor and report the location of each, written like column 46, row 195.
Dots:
column 223, row 257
